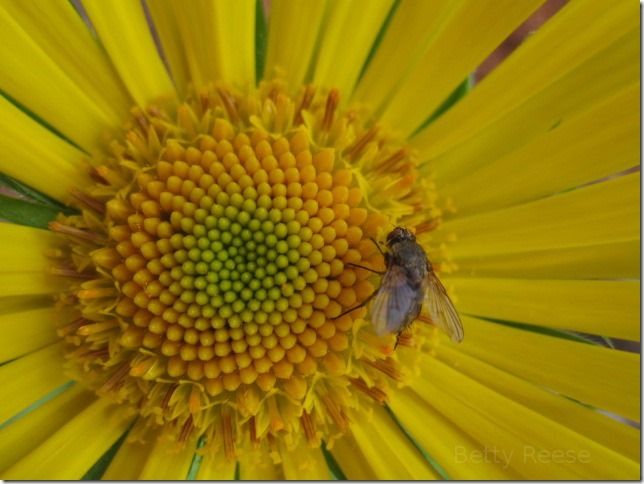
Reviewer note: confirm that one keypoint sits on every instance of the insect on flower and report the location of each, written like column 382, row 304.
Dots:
column 408, row 283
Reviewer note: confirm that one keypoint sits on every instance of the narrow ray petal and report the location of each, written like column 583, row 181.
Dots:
column 602, row 377
column 603, row 429
column 123, row 30
column 567, row 150
column 52, row 165
column 335, row 65
column 165, row 462
column 452, row 447
column 599, row 261
column 602, row 213
column 29, row 378
column 23, row 435
column 76, row 446
column 293, row 32
column 606, row 308
column 547, row 59
column 515, row 435
column 469, row 33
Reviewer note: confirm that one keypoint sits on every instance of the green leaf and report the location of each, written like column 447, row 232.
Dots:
column 31, row 193
column 459, row 93
column 39, row 120
column 98, row 469
column 196, row 460
column 554, row 332
column 437, row 467
column 334, row 468
column 261, row 39
column 26, row 213
column 379, row 37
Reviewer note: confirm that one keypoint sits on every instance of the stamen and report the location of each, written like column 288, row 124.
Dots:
column 388, row 366
column 389, row 164
column 332, row 101
column 307, row 98
column 76, row 233
column 96, row 293
column 227, row 432
column 88, row 201
column 354, row 151
column 252, row 428
column 309, row 429
column 116, row 380
column 68, row 272
column 186, row 430
column 336, row 413
column 72, row 327
column 374, row 392
column 88, row 329
column 229, row 104
column 427, row 226
column 406, row 339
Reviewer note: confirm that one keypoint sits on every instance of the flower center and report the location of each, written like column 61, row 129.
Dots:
column 216, row 258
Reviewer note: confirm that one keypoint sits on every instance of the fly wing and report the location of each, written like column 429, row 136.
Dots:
column 394, row 302
column 441, row 309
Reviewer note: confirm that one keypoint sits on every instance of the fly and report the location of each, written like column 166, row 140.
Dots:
column 408, row 283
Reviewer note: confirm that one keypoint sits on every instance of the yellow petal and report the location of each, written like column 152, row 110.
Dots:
column 214, row 468
column 602, row 377
column 292, row 36
column 515, row 435
column 444, row 441
column 600, row 261
column 207, row 30
column 604, row 430
column 123, row 30
column 465, row 38
column 27, row 248
column 360, row 21
column 543, row 83
column 21, row 436
column 71, row 111
column 128, row 461
column 304, row 464
column 166, row 25
column 413, row 26
column 389, row 451
column 29, row 283
column 29, row 378
column 165, row 462
column 602, row 213
column 74, row 448
column 355, row 467
column 560, row 159
column 234, row 24
column 61, row 33
column 26, row 331
column 257, row 465
column 37, row 157
column 605, row 308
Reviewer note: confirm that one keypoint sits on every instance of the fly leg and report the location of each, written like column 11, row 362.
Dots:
column 362, row 304
column 378, row 246
column 350, row 264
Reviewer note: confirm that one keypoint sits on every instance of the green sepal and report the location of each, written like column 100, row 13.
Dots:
column 100, row 466
column 334, row 467
column 31, row 193
column 261, row 39
column 457, row 94
column 23, row 212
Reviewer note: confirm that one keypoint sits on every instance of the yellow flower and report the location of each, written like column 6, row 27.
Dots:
column 180, row 276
